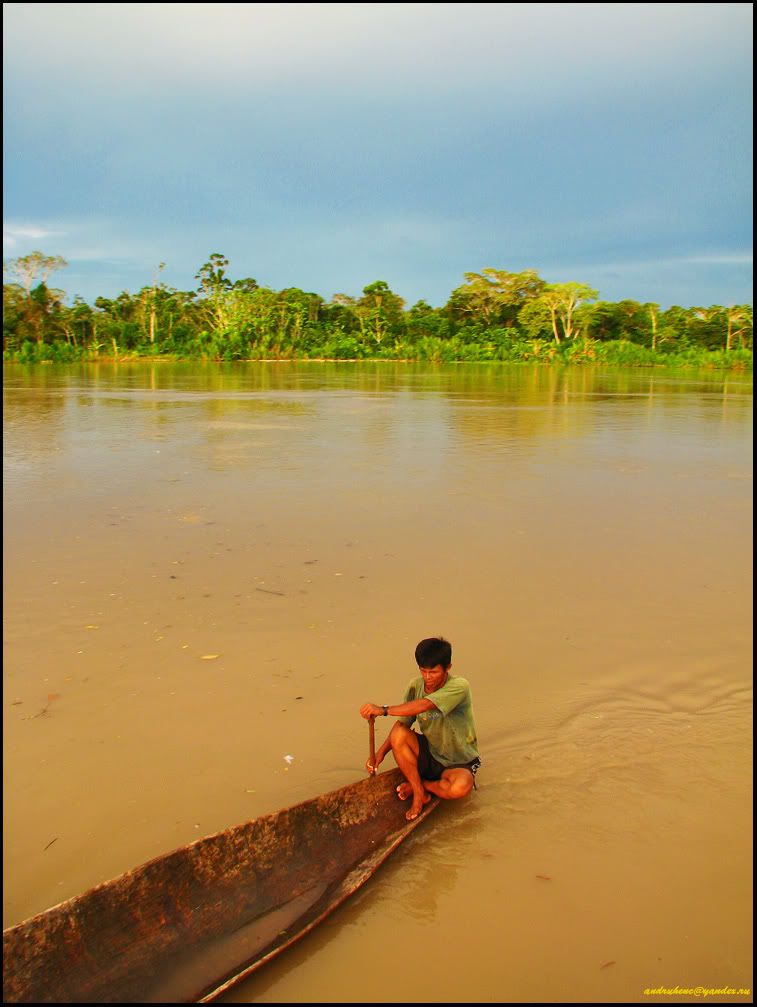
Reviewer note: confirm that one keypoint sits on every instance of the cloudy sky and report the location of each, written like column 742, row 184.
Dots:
column 325, row 146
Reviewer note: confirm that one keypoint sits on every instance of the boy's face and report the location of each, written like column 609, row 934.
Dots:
column 433, row 678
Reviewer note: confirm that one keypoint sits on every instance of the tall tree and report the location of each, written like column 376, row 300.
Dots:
column 654, row 315
column 739, row 318
column 36, row 267
column 153, row 302
column 561, row 300
column 706, row 325
column 15, row 315
column 212, row 275
column 215, row 285
column 44, row 306
column 495, row 296
column 379, row 310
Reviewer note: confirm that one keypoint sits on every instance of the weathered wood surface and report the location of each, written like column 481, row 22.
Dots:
column 186, row 926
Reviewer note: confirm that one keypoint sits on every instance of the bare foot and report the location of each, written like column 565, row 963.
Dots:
column 404, row 790
column 417, row 806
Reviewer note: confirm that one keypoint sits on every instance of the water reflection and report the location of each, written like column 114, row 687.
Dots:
column 33, row 420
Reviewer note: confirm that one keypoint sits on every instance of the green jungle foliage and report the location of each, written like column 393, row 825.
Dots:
column 493, row 315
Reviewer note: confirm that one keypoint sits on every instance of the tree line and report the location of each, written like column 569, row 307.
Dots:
column 493, row 315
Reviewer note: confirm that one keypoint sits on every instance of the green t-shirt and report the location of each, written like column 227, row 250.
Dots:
column 449, row 728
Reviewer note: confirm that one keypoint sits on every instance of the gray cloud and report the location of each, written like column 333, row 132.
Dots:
column 537, row 50
column 17, row 235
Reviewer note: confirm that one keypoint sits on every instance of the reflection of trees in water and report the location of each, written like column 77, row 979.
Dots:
column 215, row 407
column 233, row 431
column 737, row 401
column 523, row 404
column 392, row 404
column 34, row 410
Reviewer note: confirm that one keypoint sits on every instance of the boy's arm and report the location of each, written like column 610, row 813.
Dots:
column 410, row 709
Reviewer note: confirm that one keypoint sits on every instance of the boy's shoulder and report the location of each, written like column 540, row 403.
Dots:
column 454, row 683
column 457, row 679
column 458, row 682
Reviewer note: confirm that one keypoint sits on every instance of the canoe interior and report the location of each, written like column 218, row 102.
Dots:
column 186, row 926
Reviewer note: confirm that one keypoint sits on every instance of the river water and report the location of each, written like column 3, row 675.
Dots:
column 209, row 569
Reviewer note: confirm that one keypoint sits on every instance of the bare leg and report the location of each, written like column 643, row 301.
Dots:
column 454, row 783
column 405, row 749
column 404, row 790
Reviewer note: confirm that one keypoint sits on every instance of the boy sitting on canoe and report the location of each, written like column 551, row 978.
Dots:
column 443, row 758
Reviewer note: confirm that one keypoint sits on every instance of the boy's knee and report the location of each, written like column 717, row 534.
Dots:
column 399, row 733
column 461, row 786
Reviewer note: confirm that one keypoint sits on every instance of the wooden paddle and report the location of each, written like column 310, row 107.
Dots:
column 372, row 741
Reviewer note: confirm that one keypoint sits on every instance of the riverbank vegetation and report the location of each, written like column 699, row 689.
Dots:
column 492, row 315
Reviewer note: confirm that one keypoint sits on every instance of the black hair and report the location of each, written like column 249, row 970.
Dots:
column 435, row 650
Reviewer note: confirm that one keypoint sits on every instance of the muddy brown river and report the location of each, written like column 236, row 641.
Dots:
column 208, row 569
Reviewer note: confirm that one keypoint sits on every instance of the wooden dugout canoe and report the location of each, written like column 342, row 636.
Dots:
column 186, row 926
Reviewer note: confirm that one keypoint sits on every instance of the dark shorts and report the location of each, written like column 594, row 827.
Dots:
column 430, row 769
